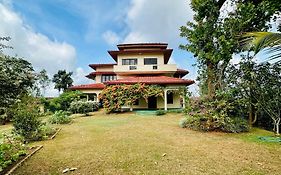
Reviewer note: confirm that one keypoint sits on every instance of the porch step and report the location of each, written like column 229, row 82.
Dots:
column 146, row 112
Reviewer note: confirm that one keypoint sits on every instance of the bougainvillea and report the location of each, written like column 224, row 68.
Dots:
column 116, row 96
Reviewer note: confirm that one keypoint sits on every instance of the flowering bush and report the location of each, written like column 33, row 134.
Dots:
column 116, row 96
column 83, row 106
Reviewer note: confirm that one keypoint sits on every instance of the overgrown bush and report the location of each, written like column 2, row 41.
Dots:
column 60, row 117
column 160, row 112
column 62, row 102
column 214, row 123
column 11, row 148
column 218, row 114
column 83, row 106
column 27, row 122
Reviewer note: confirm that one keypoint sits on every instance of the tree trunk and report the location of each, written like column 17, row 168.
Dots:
column 277, row 126
column 210, row 79
column 251, row 111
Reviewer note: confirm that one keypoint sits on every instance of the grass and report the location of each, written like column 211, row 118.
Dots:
column 133, row 144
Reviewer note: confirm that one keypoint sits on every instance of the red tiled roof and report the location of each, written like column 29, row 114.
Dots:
column 88, row 86
column 94, row 66
column 151, row 80
column 181, row 72
column 142, row 45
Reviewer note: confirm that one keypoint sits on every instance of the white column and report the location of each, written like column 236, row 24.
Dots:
column 165, row 99
column 183, row 101
column 87, row 97
column 98, row 100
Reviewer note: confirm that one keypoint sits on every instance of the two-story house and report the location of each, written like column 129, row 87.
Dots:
column 140, row 63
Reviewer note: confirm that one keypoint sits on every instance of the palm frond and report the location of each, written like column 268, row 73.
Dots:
column 268, row 41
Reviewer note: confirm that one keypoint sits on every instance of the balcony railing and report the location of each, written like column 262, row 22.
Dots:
column 144, row 68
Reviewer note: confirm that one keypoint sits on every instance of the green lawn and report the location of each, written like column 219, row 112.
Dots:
column 132, row 144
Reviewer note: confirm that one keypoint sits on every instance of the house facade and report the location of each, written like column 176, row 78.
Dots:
column 140, row 63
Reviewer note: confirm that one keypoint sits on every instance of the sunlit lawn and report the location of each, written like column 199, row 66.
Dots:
column 132, row 144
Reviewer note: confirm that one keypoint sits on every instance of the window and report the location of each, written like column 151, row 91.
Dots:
column 149, row 61
column 92, row 97
column 170, row 98
column 131, row 61
column 108, row 78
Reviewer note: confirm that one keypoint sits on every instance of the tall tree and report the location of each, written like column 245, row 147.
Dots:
column 212, row 37
column 62, row 80
column 43, row 80
column 16, row 79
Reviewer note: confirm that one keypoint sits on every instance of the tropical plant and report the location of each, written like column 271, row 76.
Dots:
column 60, row 117
column 212, row 37
column 11, row 149
column 116, row 96
column 270, row 42
column 62, row 80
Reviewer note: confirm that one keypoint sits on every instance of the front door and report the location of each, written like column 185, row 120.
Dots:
column 152, row 102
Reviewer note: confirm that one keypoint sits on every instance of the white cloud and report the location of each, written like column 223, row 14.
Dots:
column 157, row 21
column 111, row 37
column 37, row 48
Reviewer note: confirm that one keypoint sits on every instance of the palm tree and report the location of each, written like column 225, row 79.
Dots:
column 270, row 42
column 62, row 80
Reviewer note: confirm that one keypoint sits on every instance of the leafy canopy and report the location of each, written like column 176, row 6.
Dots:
column 62, row 80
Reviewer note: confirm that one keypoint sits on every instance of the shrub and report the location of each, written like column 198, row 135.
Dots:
column 83, row 106
column 214, row 123
column 26, row 120
column 11, row 148
column 63, row 101
column 183, row 123
column 160, row 112
column 60, row 117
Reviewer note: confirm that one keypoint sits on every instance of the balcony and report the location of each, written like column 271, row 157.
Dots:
column 144, row 69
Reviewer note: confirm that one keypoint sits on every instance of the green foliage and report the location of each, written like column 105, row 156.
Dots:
column 62, row 80
column 62, row 102
column 213, row 39
column 258, row 88
column 42, row 81
column 116, row 96
column 11, row 148
column 210, row 122
column 60, row 117
column 160, row 112
column 16, row 79
column 83, row 106
column 218, row 114
column 26, row 120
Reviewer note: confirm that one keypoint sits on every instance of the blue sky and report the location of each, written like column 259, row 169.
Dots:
column 70, row 34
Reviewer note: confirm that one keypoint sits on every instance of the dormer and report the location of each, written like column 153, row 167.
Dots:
column 143, row 58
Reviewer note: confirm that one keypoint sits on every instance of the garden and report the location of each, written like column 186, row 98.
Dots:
column 231, row 127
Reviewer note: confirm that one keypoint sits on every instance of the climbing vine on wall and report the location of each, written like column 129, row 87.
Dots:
column 116, row 96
